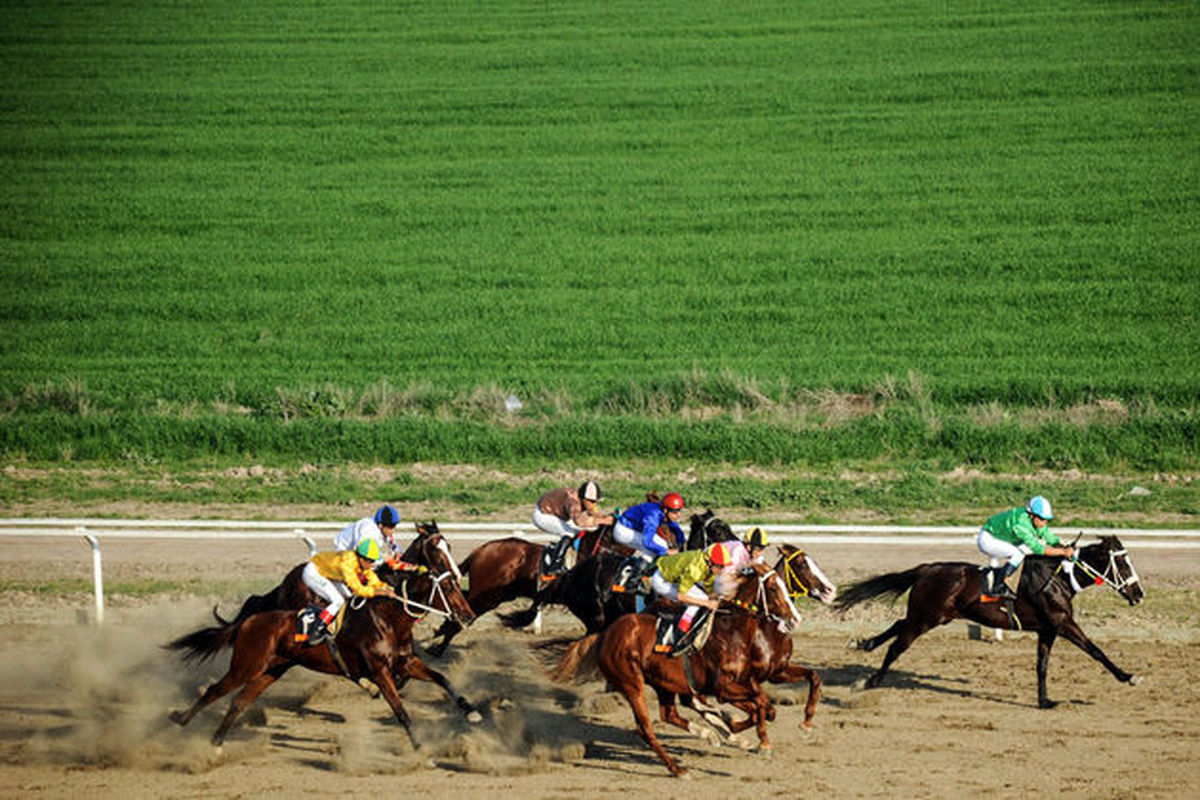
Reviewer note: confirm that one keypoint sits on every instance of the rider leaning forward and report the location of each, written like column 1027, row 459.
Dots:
column 567, row 513
column 335, row 576
column 1007, row 537
column 689, row 578
column 643, row 528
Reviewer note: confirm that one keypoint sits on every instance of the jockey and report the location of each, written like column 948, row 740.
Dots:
column 380, row 529
column 639, row 528
column 751, row 549
column 567, row 513
column 688, row 577
column 1006, row 538
column 335, row 576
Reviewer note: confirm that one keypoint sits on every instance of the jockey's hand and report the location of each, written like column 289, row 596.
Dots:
column 672, row 551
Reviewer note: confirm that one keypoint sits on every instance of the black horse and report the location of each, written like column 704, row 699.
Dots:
column 945, row 591
column 708, row 528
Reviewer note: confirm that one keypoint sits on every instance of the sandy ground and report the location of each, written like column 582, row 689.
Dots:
column 83, row 708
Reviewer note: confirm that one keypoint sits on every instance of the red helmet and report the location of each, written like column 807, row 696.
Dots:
column 673, row 501
column 718, row 554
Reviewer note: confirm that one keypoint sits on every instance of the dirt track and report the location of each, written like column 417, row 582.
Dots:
column 83, row 710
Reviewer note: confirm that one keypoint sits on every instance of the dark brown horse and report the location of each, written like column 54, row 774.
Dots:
column 374, row 643
column 748, row 644
column 430, row 549
column 945, row 591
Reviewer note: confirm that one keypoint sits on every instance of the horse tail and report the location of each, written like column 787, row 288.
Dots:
column 580, row 661
column 203, row 644
column 893, row 583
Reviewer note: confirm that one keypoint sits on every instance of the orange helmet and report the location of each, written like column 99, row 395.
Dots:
column 718, row 554
column 673, row 501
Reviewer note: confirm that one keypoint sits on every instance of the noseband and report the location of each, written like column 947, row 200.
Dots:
column 1111, row 576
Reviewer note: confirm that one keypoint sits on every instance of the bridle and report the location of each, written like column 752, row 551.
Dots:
column 760, row 605
column 437, row 592
column 1111, row 576
column 792, row 578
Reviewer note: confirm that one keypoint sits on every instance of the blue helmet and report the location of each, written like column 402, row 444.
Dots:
column 387, row 517
column 1040, row 507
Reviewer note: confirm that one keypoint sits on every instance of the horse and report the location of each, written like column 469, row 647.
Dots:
column 706, row 529
column 373, row 643
column 748, row 644
column 585, row 589
column 429, row 549
column 944, row 591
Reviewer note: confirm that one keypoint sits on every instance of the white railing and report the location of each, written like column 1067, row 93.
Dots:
column 93, row 530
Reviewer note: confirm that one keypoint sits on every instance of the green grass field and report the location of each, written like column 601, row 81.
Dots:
column 789, row 233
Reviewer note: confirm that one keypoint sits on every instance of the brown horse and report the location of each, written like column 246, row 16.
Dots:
column 374, row 642
column 945, row 591
column 430, row 549
column 745, row 646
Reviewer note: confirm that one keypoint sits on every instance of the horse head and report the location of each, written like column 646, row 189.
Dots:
column 1107, row 561
column 802, row 575
column 431, row 550
column 708, row 528
column 762, row 591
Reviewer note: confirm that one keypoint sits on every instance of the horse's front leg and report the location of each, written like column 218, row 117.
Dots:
column 447, row 631
column 414, row 667
column 794, row 673
column 387, row 687
column 1074, row 634
column 1046, row 639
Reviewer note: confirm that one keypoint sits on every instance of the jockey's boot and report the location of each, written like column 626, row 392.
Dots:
column 306, row 619
column 624, row 575
column 667, row 640
column 559, row 560
column 998, row 585
column 320, row 631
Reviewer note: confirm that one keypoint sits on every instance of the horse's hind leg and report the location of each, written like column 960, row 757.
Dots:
column 244, row 698
column 230, row 681
column 416, row 668
column 907, row 634
column 870, row 644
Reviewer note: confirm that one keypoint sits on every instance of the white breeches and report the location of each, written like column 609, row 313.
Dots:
column 334, row 592
column 1000, row 552
column 631, row 538
column 664, row 587
column 552, row 524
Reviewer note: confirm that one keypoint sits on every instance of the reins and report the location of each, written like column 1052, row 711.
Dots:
column 1102, row 578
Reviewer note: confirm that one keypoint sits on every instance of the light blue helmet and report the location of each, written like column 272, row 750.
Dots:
column 1040, row 507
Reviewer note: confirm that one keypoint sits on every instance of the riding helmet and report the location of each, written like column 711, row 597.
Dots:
column 1040, row 507
column 718, row 554
column 387, row 517
column 369, row 549
column 756, row 537
column 673, row 501
column 590, row 490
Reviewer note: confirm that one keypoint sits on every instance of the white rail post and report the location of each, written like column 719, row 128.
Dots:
column 97, row 574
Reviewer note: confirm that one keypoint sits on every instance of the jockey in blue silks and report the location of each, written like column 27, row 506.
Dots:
column 638, row 527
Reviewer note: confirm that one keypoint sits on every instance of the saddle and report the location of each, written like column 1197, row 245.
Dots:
column 988, row 593
column 670, row 641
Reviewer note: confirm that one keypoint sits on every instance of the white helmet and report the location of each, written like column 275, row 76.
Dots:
column 590, row 490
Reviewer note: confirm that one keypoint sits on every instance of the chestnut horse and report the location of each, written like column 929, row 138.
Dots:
column 748, row 644
column 374, row 642
column 945, row 591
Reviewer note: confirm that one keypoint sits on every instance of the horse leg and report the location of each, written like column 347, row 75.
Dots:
column 631, row 687
column 1075, row 635
column 448, row 630
column 794, row 673
column 387, row 688
column 870, row 644
column 1046, row 639
column 416, row 668
column 245, row 697
column 908, row 632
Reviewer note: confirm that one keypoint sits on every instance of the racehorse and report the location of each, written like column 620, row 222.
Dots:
column 585, row 589
column 707, row 528
column 748, row 644
column 944, row 591
column 429, row 549
column 374, row 642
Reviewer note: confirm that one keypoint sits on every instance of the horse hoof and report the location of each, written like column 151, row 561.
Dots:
column 1047, row 703
column 859, row 685
column 177, row 717
column 853, row 644
column 1134, row 680
column 474, row 718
